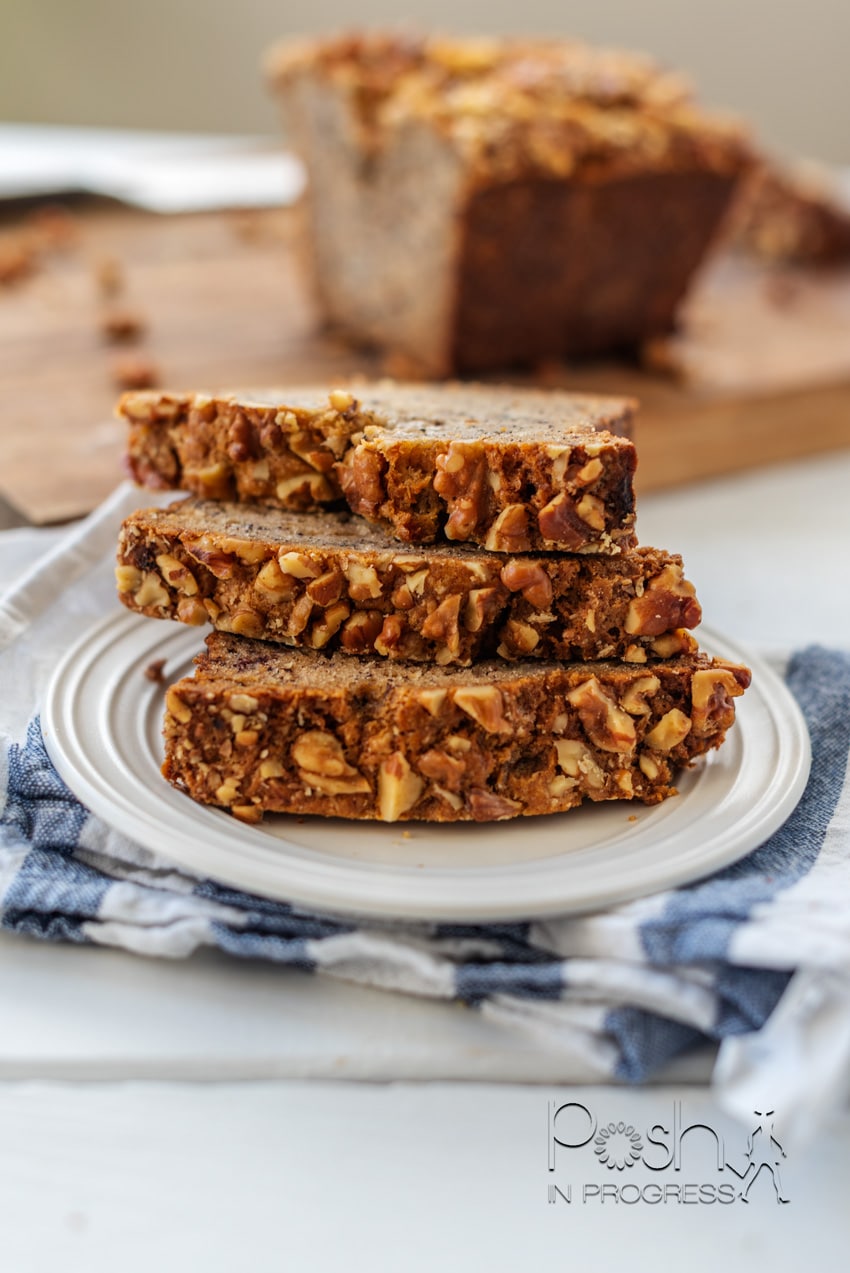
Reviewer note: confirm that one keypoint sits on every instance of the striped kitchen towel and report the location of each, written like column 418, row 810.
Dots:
column 625, row 989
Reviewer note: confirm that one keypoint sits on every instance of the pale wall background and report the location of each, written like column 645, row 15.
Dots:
column 193, row 64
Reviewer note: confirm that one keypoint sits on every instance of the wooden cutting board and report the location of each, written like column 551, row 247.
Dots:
column 762, row 374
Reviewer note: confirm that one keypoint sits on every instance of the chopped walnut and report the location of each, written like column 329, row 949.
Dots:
column 529, row 578
column 245, row 703
column 605, row 724
column 177, row 575
column 304, row 486
column 271, row 582
column 152, row 593
column 649, row 766
column 329, row 624
column 509, row 532
column 589, row 472
column 322, row 765
column 442, row 624
column 360, row 631
column 445, row 769
column 671, row 643
column 712, row 692
column 636, row 694
column 128, row 578
column 177, row 708
column 361, row 478
column 299, row 566
column 398, row 787
column 481, row 605
column 591, row 510
column 299, row 616
column 433, row 700
column 576, row 760
column 327, row 589
column 363, row 582
column 484, row 703
column 452, row 800
column 518, row 638
column 460, row 480
column 671, row 730
column 668, row 602
column 342, row 401
column 247, row 623
column 387, row 640
column 190, row 610
column 308, row 447
column 215, row 481
column 487, row 807
column 560, row 524
column 250, row 813
column 205, row 550
column 240, row 439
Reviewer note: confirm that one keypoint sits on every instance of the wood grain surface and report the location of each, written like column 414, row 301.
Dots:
column 761, row 374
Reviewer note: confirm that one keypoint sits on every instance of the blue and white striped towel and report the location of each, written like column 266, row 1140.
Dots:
column 626, row 989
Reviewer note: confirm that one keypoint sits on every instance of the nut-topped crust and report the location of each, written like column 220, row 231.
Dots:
column 280, row 450
column 259, row 729
column 334, row 582
column 519, row 107
column 476, row 205
column 510, row 470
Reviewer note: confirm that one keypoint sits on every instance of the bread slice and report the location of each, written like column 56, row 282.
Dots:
column 478, row 204
column 259, row 729
column 512, row 470
column 334, row 582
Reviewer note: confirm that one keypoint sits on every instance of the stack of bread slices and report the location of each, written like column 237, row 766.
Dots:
column 428, row 603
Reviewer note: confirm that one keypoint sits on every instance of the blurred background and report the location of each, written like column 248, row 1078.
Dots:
column 194, row 64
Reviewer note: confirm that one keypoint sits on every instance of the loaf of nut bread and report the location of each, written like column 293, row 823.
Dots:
column 260, row 729
column 335, row 582
column 481, row 203
column 513, row 470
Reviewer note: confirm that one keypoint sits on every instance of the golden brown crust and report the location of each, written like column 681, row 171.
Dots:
column 258, row 729
column 333, row 582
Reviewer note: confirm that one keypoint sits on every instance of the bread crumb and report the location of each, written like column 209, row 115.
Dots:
column 121, row 326
column 135, row 373
column 109, row 276
column 154, row 673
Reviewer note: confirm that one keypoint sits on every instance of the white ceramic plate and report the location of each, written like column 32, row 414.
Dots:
column 102, row 722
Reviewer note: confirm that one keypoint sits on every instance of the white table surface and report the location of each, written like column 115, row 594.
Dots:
column 196, row 1109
